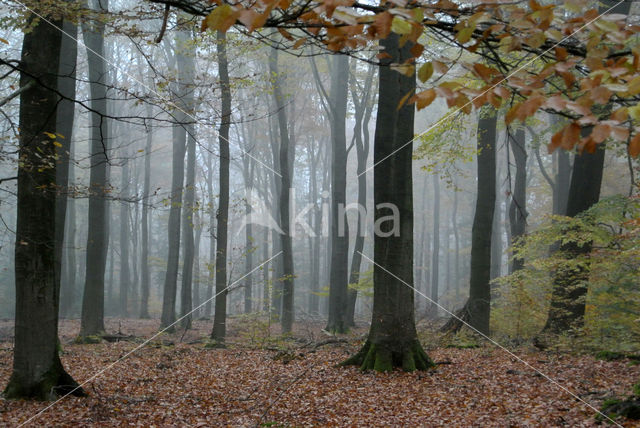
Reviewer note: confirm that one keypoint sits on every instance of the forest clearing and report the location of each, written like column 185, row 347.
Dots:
column 289, row 213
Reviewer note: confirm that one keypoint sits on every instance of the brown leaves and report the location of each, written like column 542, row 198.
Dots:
column 566, row 138
column 186, row 385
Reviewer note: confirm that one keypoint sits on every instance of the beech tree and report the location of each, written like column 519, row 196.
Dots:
column 92, row 321
column 37, row 369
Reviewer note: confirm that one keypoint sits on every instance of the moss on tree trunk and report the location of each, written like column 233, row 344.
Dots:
column 383, row 358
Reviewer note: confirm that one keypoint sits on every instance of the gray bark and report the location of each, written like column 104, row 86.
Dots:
column 92, row 319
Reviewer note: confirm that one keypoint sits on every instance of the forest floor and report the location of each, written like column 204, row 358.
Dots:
column 263, row 380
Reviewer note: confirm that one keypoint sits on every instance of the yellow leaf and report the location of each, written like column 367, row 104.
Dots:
column 221, row 18
column 50, row 135
column 634, row 112
column 634, row 86
column 464, row 35
column 57, row 144
column 400, row 26
column 425, row 72
column 4, row 41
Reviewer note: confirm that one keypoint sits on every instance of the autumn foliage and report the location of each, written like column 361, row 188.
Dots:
column 583, row 65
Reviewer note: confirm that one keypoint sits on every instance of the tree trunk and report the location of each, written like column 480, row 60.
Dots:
column 361, row 134
column 287, row 318
column 37, row 369
column 570, row 287
column 562, row 182
column 435, row 253
column 124, row 239
column 64, row 126
column 186, row 303
column 477, row 310
column 211, row 266
column 339, row 268
column 92, row 320
column 220, row 317
column 196, row 296
column 456, row 240
column 145, row 281
column 393, row 340
column 518, row 205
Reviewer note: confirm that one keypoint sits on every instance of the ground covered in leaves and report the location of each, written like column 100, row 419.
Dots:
column 261, row 380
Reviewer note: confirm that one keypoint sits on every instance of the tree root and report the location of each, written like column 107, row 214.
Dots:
column 382, row 359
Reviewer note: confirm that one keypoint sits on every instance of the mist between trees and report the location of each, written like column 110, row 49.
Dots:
column 152, row 154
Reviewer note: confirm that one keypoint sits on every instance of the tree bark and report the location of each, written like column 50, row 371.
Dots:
column 64, row 126
column 125, row 232
column 393, row 340
column 518, row 206
column 435, row 253
column 186, row 302
column 220, row 317
column 363, row 110
column 568, row 298
column 145, row 281
column 92, row 319
column 286, row 321
column 339, row 267
column 477, row 310
column 37, row 369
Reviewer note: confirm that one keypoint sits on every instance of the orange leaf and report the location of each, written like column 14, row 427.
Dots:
column 600, row 133
column 634, row 146
column 424, row 98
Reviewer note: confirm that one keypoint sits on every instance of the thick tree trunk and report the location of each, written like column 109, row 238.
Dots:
column 220, row 317
column 570, row 288
column 393, row 340
column 37, row 370
column 64, row 126
column 339, row 268
column 479, row 303
column 92, row 320
column 518, row 205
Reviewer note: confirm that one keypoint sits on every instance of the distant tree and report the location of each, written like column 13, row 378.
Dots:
column 220, row 316
column 92, row 319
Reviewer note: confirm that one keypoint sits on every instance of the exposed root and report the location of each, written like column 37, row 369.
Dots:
column 382, row 359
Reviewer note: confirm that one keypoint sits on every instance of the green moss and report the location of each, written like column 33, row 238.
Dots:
column 383, row 361
column 87, row 340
